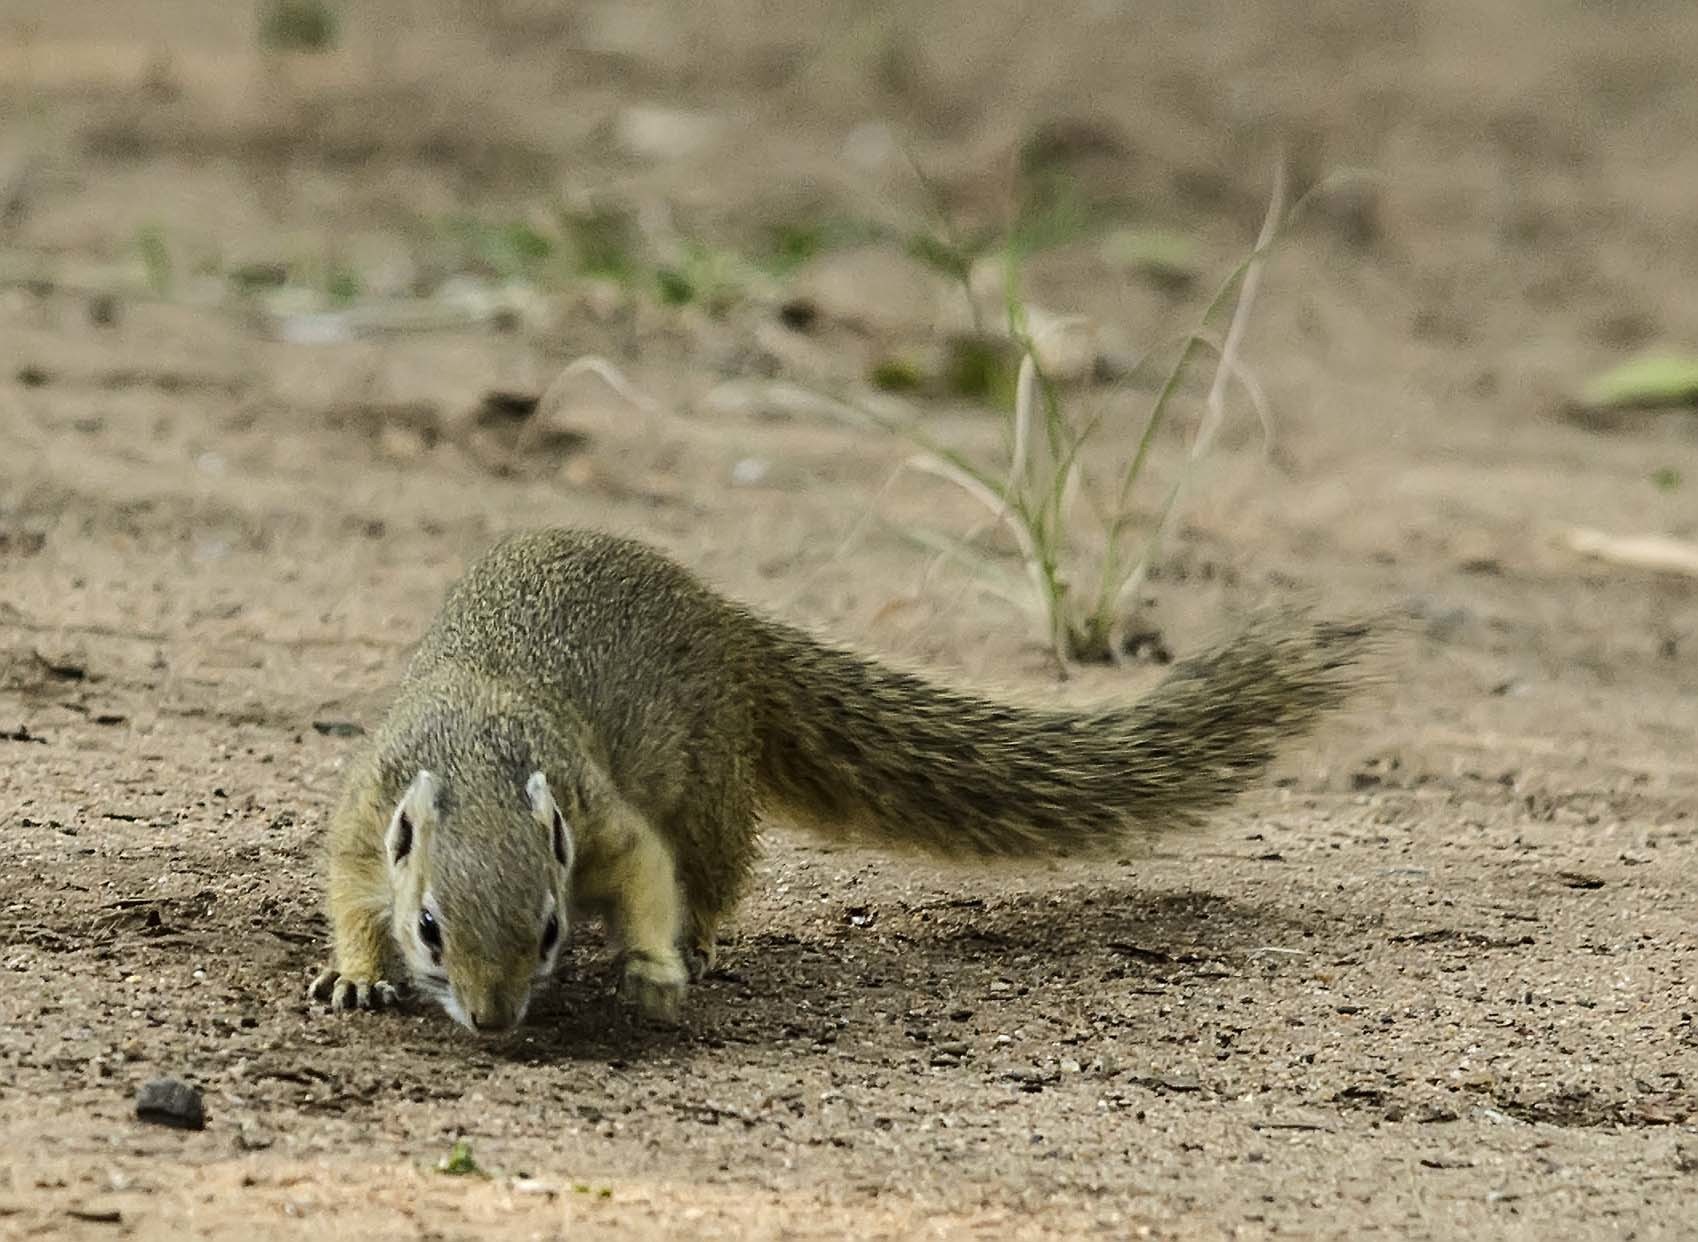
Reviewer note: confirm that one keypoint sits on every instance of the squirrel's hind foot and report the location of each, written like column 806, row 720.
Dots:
column 701, row 954
column 342, row 993
column 698, row 962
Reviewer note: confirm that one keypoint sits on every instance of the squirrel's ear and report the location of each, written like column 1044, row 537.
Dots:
column 552, row 819
column 414, row 815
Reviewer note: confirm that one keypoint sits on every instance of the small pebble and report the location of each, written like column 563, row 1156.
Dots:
column 799, row 314
column 749, row 471
column 170, row 1102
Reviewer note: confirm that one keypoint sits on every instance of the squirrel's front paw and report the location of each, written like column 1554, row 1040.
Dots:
column 655, row 986
column 345, row 992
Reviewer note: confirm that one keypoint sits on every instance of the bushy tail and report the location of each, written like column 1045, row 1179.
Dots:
column 851, row 747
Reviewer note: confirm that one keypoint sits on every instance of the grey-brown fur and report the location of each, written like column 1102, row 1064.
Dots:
column 664, row 718
column 848, row 741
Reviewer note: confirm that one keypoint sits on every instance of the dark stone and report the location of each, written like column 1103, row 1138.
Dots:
column 169, row 1102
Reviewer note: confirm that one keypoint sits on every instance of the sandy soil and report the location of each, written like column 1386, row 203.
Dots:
column 1438, row 979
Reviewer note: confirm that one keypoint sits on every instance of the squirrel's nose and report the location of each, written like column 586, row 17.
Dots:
column 493, row 1015
column 489, row 1011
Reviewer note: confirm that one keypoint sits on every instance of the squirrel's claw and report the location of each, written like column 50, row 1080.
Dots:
column 342, row 993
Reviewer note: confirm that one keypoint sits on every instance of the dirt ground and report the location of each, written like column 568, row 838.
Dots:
column 1437, row 979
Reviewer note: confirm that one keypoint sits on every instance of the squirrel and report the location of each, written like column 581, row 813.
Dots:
column 587, row 729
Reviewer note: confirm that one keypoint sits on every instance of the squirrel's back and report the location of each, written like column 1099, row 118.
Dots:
column 640, row 658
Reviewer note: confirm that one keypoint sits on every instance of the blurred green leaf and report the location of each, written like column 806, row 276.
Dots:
column 511, row 250
column 793, row 243
column 1656, row 381
column 952, row 259
column 254, row 277
column 526, row 243
column 896, row 375
column 603, row 241
column 981, row 367
column 1051, row 219
column 342, row 285
column 155, row 257
column 675, row 287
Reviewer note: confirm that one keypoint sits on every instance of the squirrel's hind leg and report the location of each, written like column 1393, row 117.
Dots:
column 701, row 944
column 716, row 853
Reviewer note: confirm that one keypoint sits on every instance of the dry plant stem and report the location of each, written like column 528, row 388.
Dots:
column 1010, row 502
column 1227, row 366
column 1025, row 397
column 946, row 549
column 555, row 395
column 1259, row 402
column 1030, row 552
column 934, row 192
column 986, row 576
column 1063, row 441
column 1657, row 553
column 1118, row 587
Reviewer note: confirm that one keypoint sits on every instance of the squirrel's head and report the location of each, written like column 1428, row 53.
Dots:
column 479, row 886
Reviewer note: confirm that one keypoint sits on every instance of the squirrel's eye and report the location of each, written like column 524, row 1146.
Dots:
column 550, row 934
column 429, row 932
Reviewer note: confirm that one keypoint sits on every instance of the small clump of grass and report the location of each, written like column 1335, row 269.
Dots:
column 507, row 250
column 459, row 1162
column 714, row 278
column 1085, row 597
column 789, row 245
